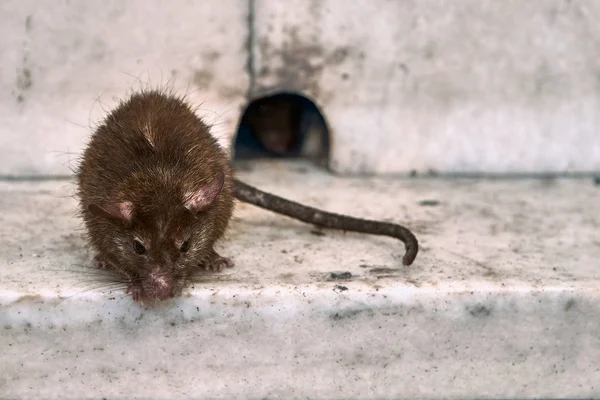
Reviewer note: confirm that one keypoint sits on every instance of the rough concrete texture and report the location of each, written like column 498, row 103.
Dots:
column 502, row 302
column 65, row 63
column 451, row 86
column 463, row 86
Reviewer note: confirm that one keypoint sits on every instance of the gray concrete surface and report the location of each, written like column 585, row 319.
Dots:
column 463, row 86
column 502, row 302
column 64, row 64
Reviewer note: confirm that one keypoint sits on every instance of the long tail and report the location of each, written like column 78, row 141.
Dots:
column 310, row 215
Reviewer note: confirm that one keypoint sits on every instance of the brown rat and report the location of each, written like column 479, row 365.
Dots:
column 157, row 192
column 274, row 120
column 288, row 125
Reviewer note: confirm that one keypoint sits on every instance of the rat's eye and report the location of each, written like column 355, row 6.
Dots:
column 138, row 247
column 185, row 246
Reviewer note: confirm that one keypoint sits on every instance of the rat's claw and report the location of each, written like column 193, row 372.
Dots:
column 135, row 290
column 218, row 264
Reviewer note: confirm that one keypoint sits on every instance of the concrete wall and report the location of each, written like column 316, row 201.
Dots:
column 65, row 62
column 462, row 86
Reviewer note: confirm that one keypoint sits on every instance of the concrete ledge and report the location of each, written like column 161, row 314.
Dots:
column 502, row 302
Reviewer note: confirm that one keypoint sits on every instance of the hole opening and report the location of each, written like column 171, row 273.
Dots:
column 283, row 126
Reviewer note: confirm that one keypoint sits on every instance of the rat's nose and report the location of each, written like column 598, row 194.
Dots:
column 159, row 278
column 159, row 284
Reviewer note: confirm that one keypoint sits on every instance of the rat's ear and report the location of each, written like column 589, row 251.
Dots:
column 206, row 195
column 122, row 211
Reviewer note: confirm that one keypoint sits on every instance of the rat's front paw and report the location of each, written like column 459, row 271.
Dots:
column 218, row 263
column 135, row 290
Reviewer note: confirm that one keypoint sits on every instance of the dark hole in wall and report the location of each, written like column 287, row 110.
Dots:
column 283, row 125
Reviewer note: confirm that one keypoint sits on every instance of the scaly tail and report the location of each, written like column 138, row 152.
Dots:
column 310, row 215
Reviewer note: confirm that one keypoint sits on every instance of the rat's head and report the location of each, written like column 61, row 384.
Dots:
column 161, row 234
column 273, row 121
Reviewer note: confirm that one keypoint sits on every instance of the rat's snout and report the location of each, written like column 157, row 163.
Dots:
column 159, row 278
column 159, row 283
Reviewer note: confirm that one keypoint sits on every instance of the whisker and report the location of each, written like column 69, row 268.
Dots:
column 111, row 281
column 81, row 271
column 96, row 283
column 102, row 290
column 93, row 273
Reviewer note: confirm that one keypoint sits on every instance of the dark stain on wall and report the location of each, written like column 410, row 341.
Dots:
column 24, row 81
column 24, row 76
column 203, row 78
column 296, row 65
column 28, row 23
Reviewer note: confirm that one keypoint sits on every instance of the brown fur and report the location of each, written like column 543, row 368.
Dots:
column 152, row 151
